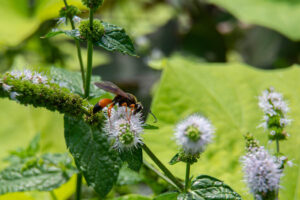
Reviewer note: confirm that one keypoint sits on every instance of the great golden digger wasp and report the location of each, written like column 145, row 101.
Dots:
column 121, row 99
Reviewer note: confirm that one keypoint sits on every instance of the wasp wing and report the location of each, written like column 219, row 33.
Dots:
column 112, row 88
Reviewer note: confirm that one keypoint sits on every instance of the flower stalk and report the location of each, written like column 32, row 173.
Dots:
column 90, row 57
column 79, row 55
column 163, row 167
column 187, row 176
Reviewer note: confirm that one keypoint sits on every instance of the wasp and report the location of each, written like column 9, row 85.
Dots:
column 121, row 99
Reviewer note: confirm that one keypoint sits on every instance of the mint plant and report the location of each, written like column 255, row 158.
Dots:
column 102, row 143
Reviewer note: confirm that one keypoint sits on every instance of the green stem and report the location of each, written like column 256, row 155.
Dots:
column 78, row 50
column 90, row 58
column 187, row 176
column 162, row 167
column 158, row 173
column 53, row 195
column 78, row 186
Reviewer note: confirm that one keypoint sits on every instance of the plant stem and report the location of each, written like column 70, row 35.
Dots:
column 53, row 195
column 162, row 167
column 78, row 186
column 90, row 59
column 187, row 176
column 158, row 173
column 78, row 50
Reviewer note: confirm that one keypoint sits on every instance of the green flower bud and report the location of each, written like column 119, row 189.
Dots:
column 69, row 12
column 188, row 158
column 93, row 4
column 86, row 33
column 193, row 133
column 126, row 137
column 251, row 142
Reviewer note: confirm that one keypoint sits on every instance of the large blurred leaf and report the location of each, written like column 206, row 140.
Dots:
column 227, row 95
column 20, row 18
column 92, row 154
column 280, row 15
column 137, row 17
column 43, row 174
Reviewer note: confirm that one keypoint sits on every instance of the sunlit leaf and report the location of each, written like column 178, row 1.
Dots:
column 93, row 155
column 280, row 15
column 227, row 95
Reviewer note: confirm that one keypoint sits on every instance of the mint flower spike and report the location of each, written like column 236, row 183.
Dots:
column 28, row 75
column 262, row 172
column 194, row 133
column 124, row 128
column 275, row 109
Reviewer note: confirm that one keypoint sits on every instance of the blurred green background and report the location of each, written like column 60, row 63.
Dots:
column 208, row 56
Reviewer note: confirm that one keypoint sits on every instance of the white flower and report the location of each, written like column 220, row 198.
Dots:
column 194, row 133
column 6, row 87
column 262, row 171
column 62, row 20
column 124, row 128
column 271, row 102
column 28, row 75
column 13, row 95
column 76, row 19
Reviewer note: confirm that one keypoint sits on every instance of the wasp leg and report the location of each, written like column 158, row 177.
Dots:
column 125, row 104
column 132, row 107
column 109, row 110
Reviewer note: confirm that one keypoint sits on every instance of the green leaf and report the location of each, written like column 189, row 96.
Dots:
column 209, row 188
column 167, row 196
column 73, row 81
column 227, row 95
column 93, row 154
column 280, row 15
column 116, row 39
column 42, row 174
column 71, row 33
column 175, row 159
column 134, row 158
column 128, row 176
column 21, row 154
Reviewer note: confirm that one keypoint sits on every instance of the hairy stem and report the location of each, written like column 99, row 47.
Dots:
column 90, row 58
column 162, row 167
column 78, row 186
column 78, row 50
column 187, row 176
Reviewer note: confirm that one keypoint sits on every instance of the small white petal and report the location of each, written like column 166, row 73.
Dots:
column 6, row 87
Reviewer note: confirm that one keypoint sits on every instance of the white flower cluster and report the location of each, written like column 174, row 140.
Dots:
column 194, row 133
column 272, row 103
column 28, row 75
column 262, row 171
column 124, row 128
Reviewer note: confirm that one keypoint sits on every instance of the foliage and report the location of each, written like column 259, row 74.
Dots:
column 279, row 15
column 211, row 89
column 30, row 171
column 93, row 154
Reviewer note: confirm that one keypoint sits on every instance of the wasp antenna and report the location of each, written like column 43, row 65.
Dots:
column 155, row 119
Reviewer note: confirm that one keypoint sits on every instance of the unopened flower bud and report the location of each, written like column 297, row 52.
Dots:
column 93, row 4
column 87, row 34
